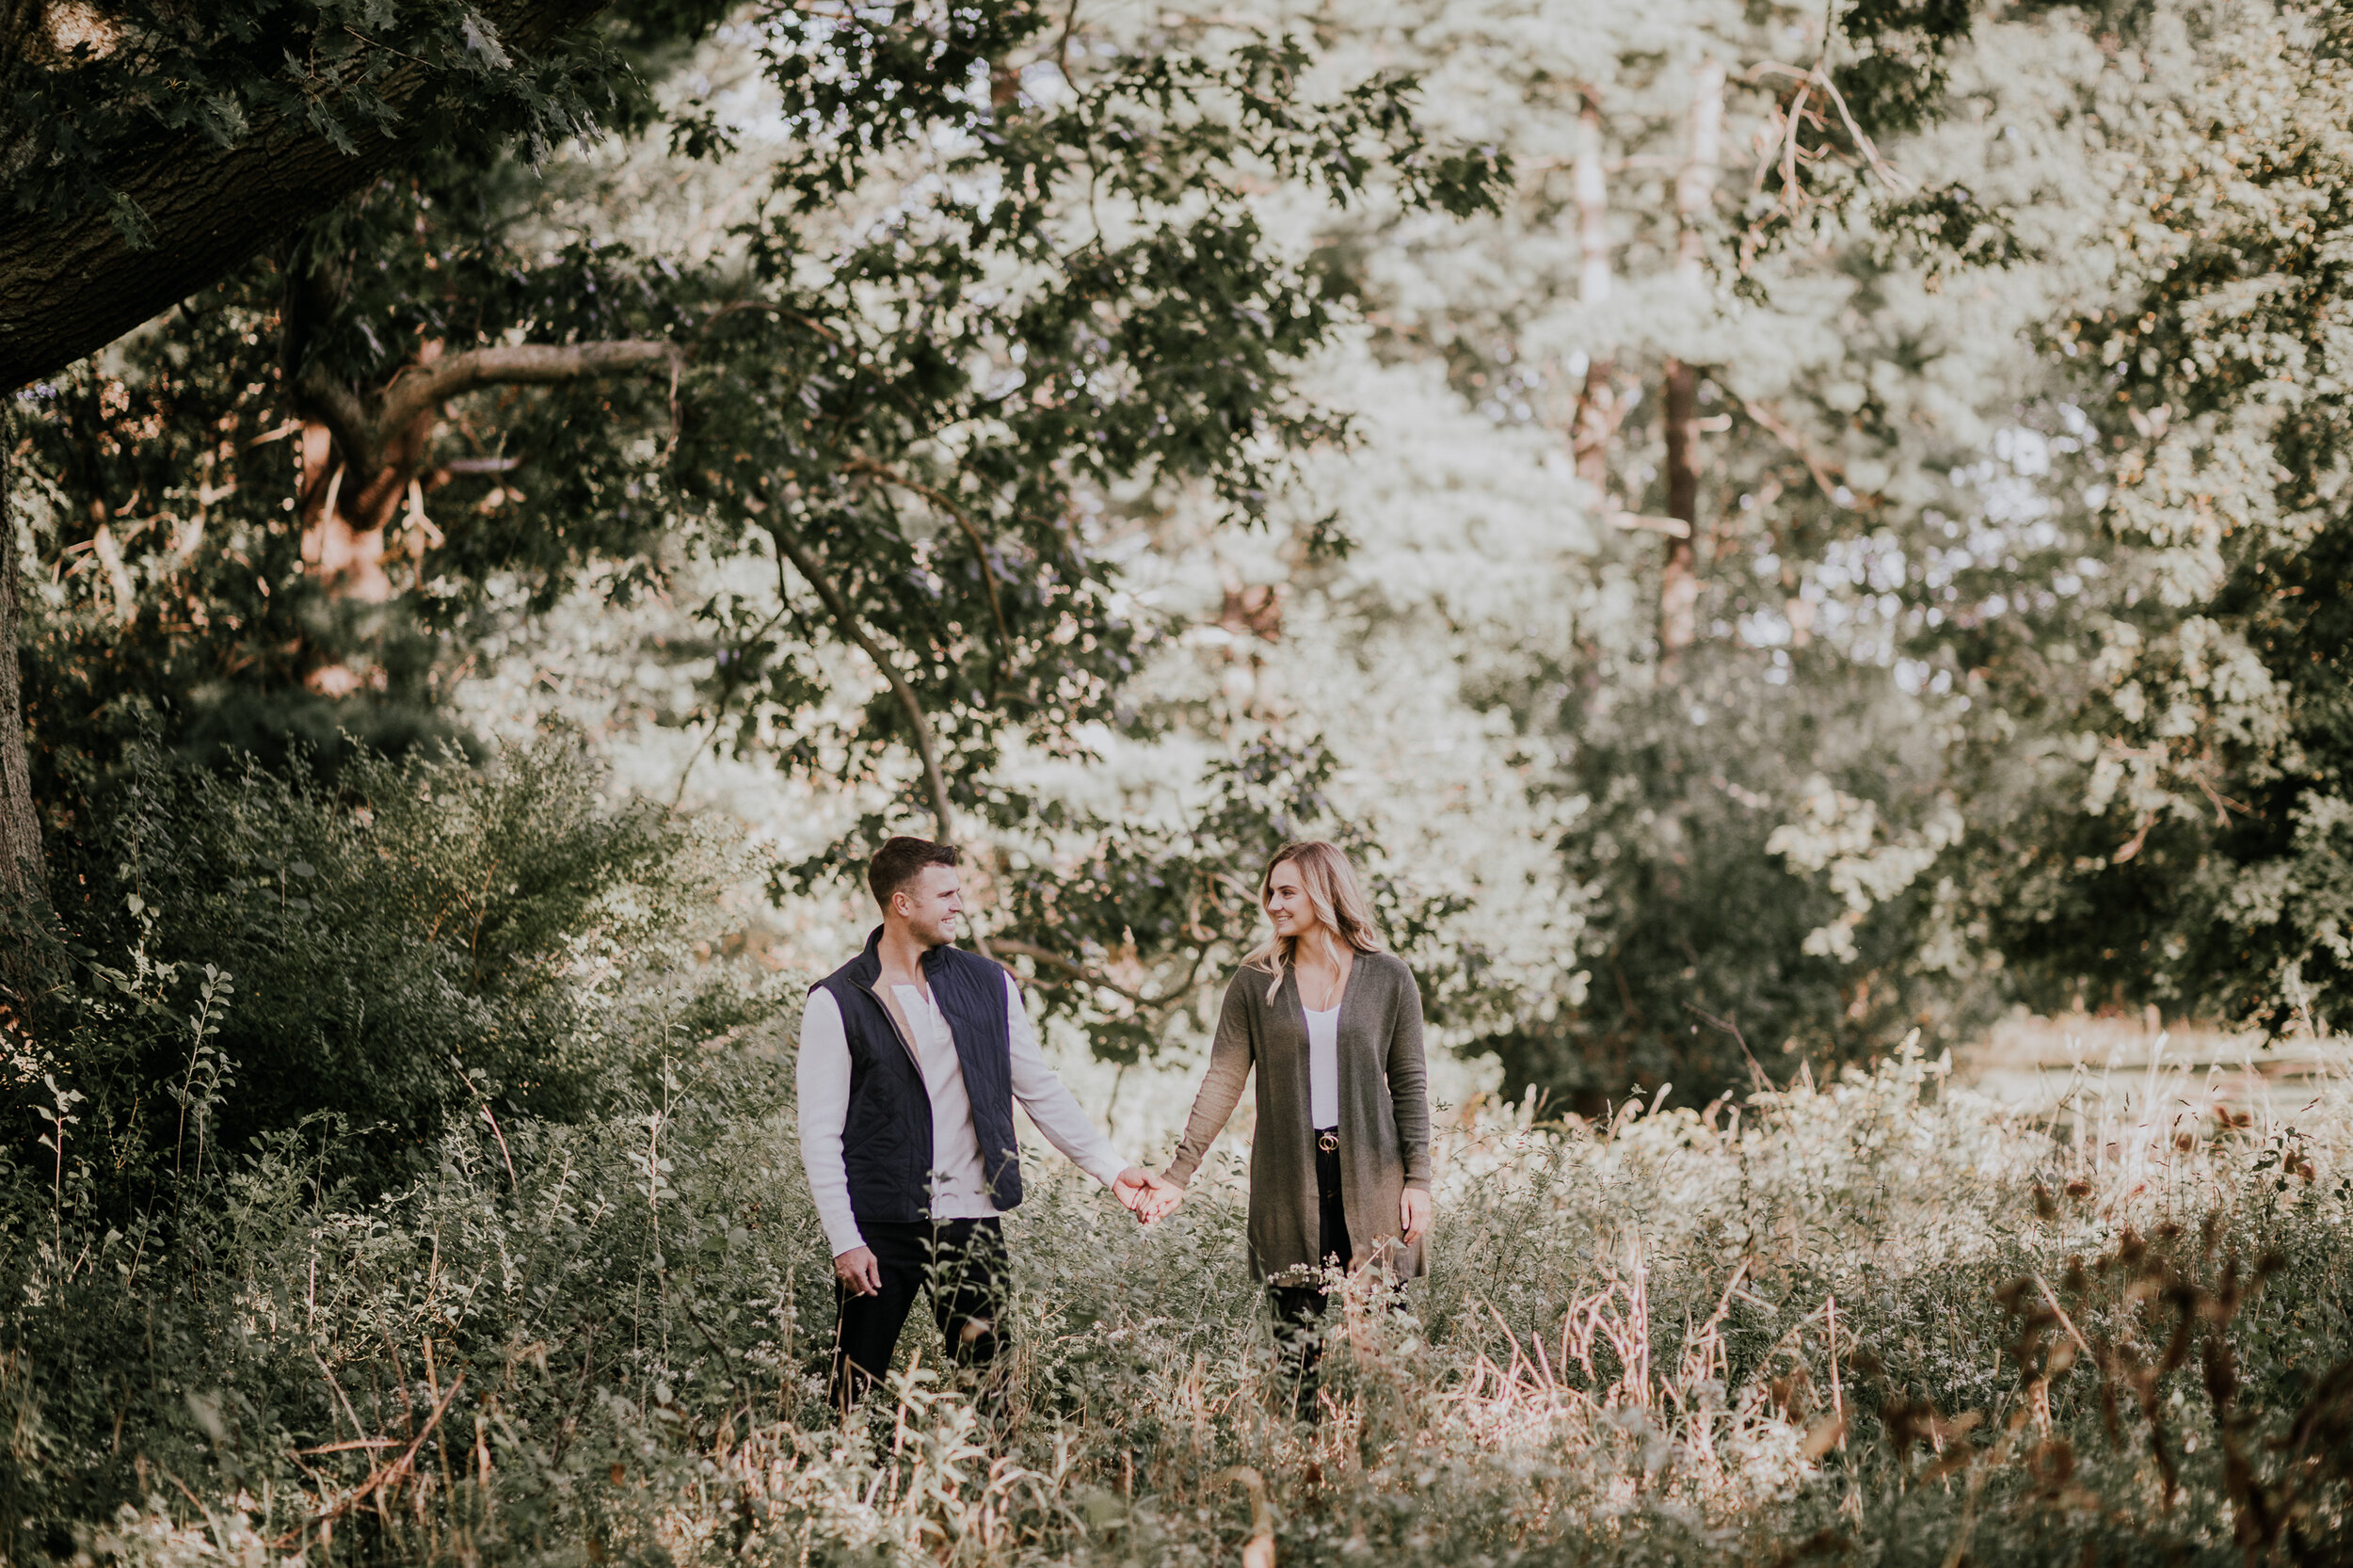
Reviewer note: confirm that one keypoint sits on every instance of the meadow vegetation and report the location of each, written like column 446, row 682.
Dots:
column 1880, row 1319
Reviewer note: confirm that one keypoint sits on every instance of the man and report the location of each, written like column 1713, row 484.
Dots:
column 912, row 1055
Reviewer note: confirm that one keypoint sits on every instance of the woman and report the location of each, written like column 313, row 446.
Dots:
column 1340, row 1168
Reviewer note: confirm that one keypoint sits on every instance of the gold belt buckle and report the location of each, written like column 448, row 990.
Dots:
column 1328, row 1140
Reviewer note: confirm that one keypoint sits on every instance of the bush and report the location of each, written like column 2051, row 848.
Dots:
column 1718, row 952
column 421, row 943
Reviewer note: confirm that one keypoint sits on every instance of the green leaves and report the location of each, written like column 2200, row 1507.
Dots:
column 219, row 71
column 512, row 917
column 2191, row 854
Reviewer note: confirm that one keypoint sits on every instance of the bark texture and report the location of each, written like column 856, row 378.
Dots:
column 71, row 284
column 23, row 887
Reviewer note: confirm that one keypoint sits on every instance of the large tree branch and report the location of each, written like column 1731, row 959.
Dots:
column 382, row 449
column 345, row 415
column 72, row 283
column 418, row 391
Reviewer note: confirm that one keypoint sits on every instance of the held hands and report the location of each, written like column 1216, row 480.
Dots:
column 1146, row 1195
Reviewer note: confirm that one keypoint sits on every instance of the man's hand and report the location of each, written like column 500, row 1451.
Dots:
column 1413, row 1213
column 860, row 1269
column 1148, row 1196
column 1163, row 1201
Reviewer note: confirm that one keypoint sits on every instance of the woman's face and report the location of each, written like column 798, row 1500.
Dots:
column 1286, row 903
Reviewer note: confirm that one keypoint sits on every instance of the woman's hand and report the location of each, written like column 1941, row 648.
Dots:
column 1161, row 1202
column 1148, row 1196
column 1413, row 1213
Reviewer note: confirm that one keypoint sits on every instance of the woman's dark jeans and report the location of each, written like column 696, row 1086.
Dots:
column 1299, row 1309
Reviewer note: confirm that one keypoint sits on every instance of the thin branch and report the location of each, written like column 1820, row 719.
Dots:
column 1675, row 528
column 948, row 503
column 855, row 630
column 775, row 310
column 1774, row 426
column 1756, row 1071
column 1093, row 976
column 1821, row 78
column 392, row 1472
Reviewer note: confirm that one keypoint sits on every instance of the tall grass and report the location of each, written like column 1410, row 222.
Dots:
column 1883, row 1320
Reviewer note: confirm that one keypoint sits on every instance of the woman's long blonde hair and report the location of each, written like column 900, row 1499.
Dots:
column 1333, row 894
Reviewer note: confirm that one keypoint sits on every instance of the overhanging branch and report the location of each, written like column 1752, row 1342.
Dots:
column 1095, row 977
column 383, row 450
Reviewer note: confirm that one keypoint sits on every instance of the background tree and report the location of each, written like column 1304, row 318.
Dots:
column 1715, row 290
column 2187, row 845
column 150, row 149
column 992, row 272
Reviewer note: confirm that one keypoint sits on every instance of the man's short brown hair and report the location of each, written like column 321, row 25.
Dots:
column 900, row 861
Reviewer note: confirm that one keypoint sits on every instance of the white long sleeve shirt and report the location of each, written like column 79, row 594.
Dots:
column 959, row 1188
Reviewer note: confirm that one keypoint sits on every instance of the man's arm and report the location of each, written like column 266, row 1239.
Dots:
column 1052, row 1105
column 822, row 1081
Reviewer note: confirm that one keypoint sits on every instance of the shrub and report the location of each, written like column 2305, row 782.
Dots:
column 424, row 942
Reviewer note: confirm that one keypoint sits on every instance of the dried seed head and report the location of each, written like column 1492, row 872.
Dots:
column 2046, row 1206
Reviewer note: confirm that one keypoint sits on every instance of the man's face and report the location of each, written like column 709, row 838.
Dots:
column 931, row 904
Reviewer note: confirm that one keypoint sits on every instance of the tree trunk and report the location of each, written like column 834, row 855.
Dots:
column 1593, row 205
column 71, row 284
column 1598, row 410
column 24, row 914
column 1679, row 589
column 1695, row 185
column 1695, row 189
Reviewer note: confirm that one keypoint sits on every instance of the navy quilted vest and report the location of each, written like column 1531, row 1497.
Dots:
column 887, row 1137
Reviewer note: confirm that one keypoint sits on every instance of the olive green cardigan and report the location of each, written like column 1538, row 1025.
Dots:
column 1384, row 1113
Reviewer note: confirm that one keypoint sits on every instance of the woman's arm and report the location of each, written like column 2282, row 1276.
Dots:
column 1230, row 1056
column 1409, row 1086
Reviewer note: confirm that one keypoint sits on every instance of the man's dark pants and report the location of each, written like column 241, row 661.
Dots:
column 960, row 1264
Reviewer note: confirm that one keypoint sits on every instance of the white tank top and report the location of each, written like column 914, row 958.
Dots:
column 1323, row 1066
